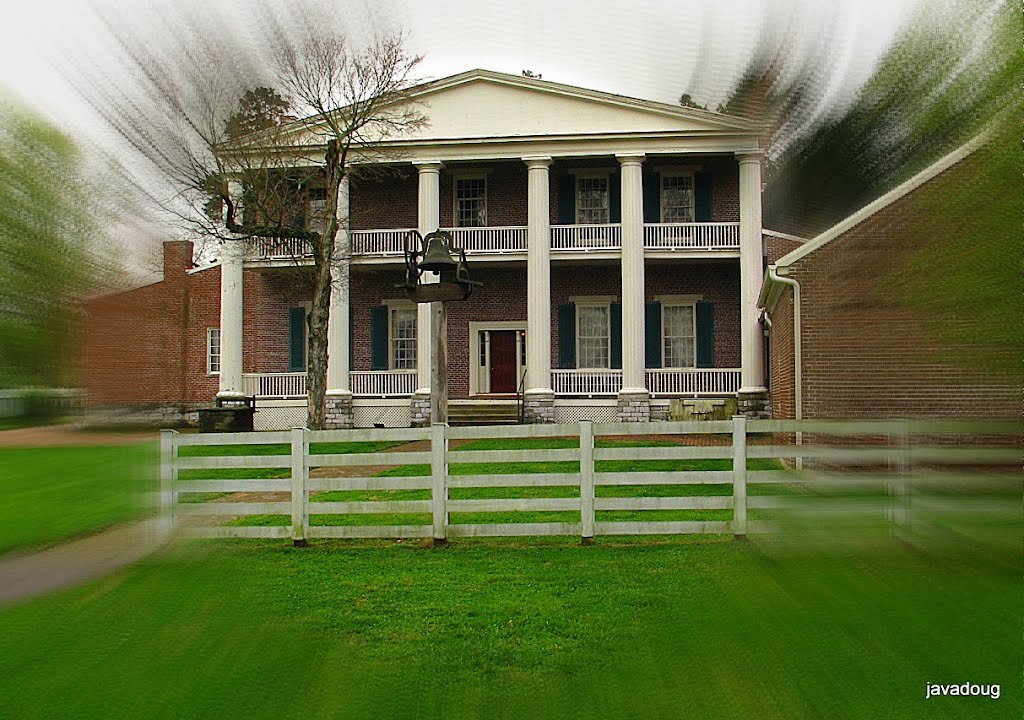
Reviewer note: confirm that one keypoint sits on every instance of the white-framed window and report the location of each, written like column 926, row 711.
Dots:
column 593, row 336
column 677, row 198
column 679, row 336
column 402, row 337
column 213, row 351
column 471, row 201
column 592, row 202
column 316, row 210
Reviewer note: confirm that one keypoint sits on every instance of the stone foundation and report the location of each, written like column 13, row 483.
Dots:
column 634, row 406
column 538, row 407
column 660, row 412
column 338, row 411
column 753, row 405
column 150, row 415
column 419, row 410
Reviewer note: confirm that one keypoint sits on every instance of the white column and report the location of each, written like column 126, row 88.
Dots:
column 231, row 319
column 632, row 273
column 429, row 221
column 338, row 322
column 538, row 277
column 751, row 273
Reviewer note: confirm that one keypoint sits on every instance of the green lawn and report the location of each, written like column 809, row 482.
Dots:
column 677, row 628
column 54, row 493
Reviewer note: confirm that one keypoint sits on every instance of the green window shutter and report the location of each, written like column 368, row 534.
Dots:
column 296, row 339
column 379, row 338
column 615, row 353
column 615, row 198
column 705, row 335
column 652, row 198
column 351, row 338
column 567, row 336
column 652, row 335
column 702, row 197
column 567, row 200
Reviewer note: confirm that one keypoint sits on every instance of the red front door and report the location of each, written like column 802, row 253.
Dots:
column 503, row 361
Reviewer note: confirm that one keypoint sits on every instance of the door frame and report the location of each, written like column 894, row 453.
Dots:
column 479, row 375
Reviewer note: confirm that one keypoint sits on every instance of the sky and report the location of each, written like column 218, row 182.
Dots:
column 652, row 49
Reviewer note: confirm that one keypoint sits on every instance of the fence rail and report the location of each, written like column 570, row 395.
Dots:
column 589, row 493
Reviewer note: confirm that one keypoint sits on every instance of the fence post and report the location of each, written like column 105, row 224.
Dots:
column 300, row 468
column 168, row 476
column 587, row 482
column 739, row 476
column 439, row 484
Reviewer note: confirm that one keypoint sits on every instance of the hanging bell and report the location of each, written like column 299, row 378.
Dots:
column 437, row 254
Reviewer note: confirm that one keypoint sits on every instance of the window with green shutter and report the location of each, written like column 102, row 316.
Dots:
column 705, row 335
column 567, row 336
column 296, row 339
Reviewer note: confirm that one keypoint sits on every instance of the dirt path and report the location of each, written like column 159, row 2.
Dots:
column 68, row 435
column 24, row 575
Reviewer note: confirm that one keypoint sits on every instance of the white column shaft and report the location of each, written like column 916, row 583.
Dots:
column 338, row 349
column 429, row 220
column 751, row 274
column 231, row 319
column 538, row 277
column 632, row 274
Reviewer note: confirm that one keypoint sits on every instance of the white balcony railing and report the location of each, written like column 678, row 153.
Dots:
column 379, row 242
column 699, row 381
column 490, row 239
column 586, row 238
column 383, row 383
column 279, row 248
column 277, row 385
column 692, row 236
column 586, row 382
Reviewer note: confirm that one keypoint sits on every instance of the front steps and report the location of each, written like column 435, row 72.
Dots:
column 483, row 412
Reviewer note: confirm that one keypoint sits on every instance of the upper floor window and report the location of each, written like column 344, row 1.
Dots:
column 677, row 198
column 316, row 210
column 471, row 201
column 593, row 336
column 592, row 200
column 678, row 336
column 402, row 327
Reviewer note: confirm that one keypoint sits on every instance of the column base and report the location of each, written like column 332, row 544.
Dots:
column 539, row 407
column 753, row 404
column 338, row 411
column 419, row 409
column 634, row 406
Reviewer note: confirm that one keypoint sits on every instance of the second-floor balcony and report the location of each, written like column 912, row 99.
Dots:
column 707, row 237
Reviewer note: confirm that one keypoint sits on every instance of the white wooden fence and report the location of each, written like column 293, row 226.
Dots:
column 879, row 450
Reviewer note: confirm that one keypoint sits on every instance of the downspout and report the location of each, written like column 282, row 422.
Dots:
column 798, row 397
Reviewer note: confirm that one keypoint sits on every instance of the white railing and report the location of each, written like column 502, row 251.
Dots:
column 279, row 248
column 586, row 238
column 490, row 239
column 379, row 242
column 383, row 383
column 275, row 384
column 701, row 381
column 586, row 382
column 692, row 236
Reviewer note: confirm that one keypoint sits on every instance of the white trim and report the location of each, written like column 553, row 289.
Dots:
column 678, row 299
column 393, row 303
column 406, row 306
column 209, row 354
column 593, row 299
column 468, row 175
column 661, row 194
column 691, row 304
column 592, row 174
column 608, row 313
column 476, row 371
column 883, row 202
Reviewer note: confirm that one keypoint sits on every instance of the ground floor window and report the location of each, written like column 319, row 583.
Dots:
column 213, row 351
column 403, row 338
column 678, row 336
column 593, row 336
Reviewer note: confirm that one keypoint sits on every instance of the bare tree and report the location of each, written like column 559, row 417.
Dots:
column 214, row 120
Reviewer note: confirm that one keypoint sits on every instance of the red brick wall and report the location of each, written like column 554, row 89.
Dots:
column 775, row 247
column 506, row 194
column 866, row 354
column 384, row 199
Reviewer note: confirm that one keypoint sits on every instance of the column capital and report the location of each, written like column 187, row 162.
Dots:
column 749, row 156
column 428, row 166
column 630, row 158
column 537, row 161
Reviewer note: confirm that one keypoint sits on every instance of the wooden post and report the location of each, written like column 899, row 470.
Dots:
column 587, row 482
column 300, row 507
column 739, row 476
column 439, row 363
column 439, row 485
column 168, row 476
